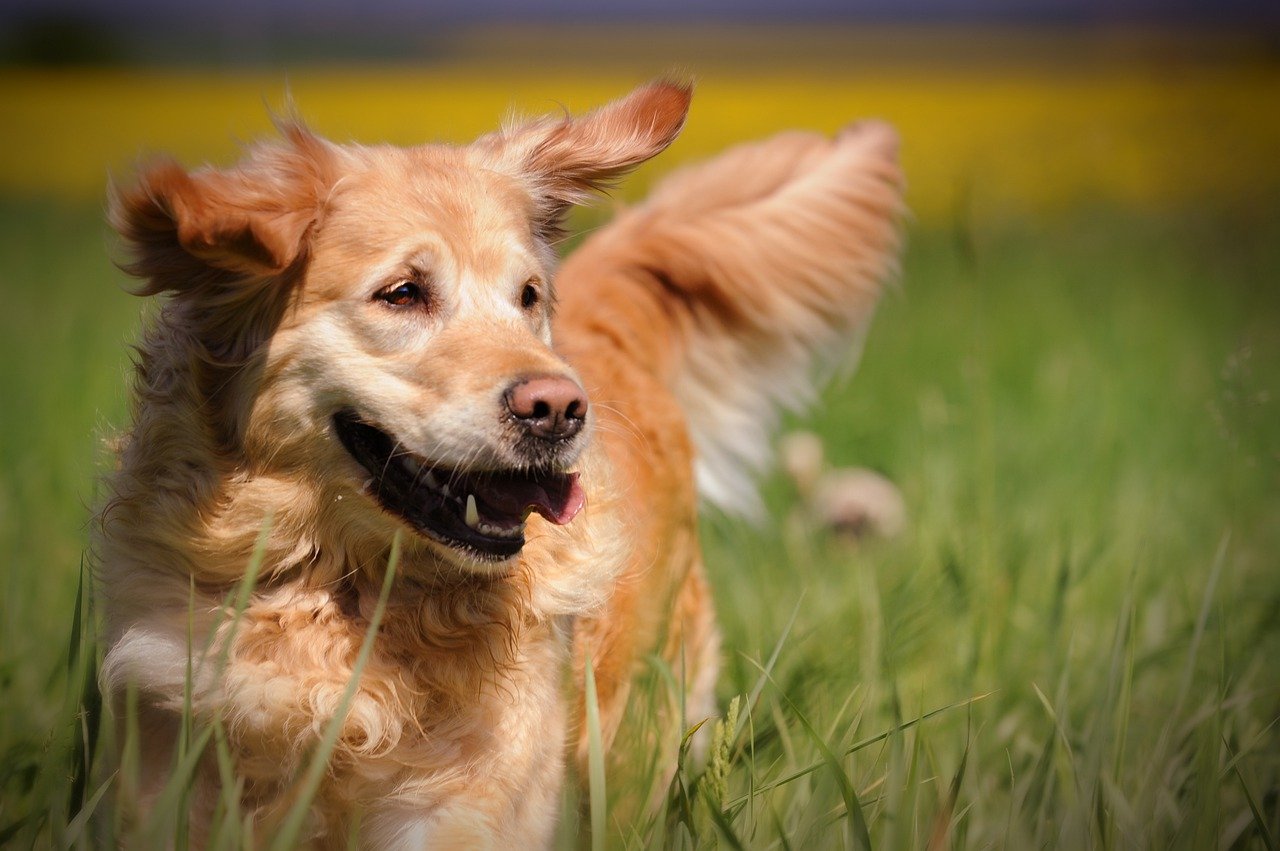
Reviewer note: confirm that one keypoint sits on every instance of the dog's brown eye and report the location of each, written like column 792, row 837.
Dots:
column 403, row 294
column 528, row 296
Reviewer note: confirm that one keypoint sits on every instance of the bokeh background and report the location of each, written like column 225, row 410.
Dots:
column 1074, row 387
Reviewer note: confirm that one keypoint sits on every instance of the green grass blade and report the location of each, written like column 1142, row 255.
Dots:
column 1202, row 621
column 856, row 821
column 75, row 640
column 946, row 816
column 9, row 831
column 721, row 822
column 82, row 658
column 766, row 672
column 229, row 795
column 181, row 837
column 77, row 825
column 243, row 592
column 783, row 840
column 1053, row 716
column 1259, row 820
column 287, row 836
column 595, row 761
column 867, row 742
column 1257, row 739
column 169, row 802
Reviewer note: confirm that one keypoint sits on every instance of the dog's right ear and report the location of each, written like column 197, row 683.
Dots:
column 563, row 160
column 251, row 220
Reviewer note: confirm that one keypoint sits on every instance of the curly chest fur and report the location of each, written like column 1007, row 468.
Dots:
column 457, row 708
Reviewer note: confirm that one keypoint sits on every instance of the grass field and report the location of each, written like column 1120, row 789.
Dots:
column 1076, row 389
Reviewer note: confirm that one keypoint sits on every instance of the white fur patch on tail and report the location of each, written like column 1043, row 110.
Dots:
column 733, row 429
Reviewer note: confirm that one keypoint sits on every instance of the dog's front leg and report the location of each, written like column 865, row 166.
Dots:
column 444, row 827
column 463, row 825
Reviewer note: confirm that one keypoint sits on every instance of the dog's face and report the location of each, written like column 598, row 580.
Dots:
column 422, row 342
column 397, row 303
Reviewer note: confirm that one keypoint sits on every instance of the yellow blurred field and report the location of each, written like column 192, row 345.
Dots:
column 1001, row 138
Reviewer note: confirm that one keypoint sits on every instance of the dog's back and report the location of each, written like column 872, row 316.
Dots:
column 693, row 319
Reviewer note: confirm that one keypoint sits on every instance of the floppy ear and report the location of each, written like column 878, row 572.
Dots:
column 564, row 160
column 251, row 219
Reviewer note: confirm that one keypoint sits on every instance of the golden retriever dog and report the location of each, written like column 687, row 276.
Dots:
column 369, row 349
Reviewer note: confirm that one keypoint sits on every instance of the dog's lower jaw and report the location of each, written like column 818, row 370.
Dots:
column 428, row 558
column 454, row 561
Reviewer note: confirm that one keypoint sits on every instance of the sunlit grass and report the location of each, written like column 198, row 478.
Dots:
column 1074, row 645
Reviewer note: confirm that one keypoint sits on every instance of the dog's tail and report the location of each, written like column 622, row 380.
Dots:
column 737, row 278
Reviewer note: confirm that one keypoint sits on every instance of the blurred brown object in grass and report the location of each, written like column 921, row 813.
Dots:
column 854, row 502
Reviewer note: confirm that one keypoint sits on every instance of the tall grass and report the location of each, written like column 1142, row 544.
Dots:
column 1074, row 644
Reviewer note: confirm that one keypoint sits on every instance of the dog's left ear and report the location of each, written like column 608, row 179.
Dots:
column 564, row 160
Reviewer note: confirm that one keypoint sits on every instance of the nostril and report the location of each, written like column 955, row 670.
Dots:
column 551, row 407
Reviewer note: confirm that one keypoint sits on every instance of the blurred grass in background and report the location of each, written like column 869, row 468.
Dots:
column 1075, row 388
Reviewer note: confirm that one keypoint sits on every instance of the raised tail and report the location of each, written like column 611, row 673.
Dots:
column 737, row 276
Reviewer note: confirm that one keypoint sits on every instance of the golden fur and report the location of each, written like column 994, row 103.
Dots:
column 688, row 321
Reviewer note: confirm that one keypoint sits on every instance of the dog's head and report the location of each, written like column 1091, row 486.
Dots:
column 376, row 320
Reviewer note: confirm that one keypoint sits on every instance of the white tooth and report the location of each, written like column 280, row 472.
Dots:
column 430, row 478
column 473, row 514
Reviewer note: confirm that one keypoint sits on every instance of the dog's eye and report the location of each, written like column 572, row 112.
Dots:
column 528, row 296
column 403, row 294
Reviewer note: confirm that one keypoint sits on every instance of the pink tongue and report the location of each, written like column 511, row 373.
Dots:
column 556, row 498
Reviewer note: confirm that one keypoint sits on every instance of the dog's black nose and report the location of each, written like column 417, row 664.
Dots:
column 551, row 407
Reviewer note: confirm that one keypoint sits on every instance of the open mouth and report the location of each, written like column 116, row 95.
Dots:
column 483, row 512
